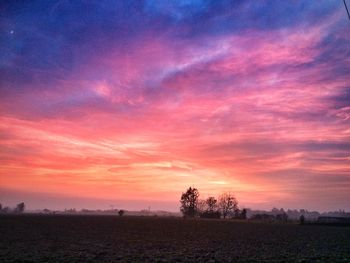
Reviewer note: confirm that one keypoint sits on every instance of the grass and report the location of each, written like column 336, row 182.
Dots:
column 153, row 239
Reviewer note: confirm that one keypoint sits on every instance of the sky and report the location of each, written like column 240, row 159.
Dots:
column 128, row 103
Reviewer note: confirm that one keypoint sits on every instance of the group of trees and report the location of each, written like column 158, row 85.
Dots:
column 19, row 209
column 225, row 206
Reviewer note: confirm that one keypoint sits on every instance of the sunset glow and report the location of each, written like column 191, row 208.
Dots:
column 131, row 102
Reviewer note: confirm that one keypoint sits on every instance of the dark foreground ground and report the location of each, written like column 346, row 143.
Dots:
column 137, row 239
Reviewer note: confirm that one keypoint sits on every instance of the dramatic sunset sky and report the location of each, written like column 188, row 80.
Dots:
column 128, row 103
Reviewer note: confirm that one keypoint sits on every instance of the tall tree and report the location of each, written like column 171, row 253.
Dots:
column 189, row 201
column 201, row 206
column 228, row 204
column 211, row 204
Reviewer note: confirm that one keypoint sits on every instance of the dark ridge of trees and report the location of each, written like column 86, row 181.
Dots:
column 274, row 215
column 282, row 217
column 263, row 217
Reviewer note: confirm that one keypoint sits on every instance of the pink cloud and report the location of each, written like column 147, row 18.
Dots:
column 163, row 115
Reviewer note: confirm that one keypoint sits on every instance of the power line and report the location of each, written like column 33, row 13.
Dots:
column 347, row 10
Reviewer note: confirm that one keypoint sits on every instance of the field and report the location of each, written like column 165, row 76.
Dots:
column 140, row 239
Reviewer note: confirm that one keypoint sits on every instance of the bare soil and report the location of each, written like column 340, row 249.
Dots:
column 35, row 238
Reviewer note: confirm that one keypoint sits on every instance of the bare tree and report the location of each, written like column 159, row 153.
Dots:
column 189, row 202
column 210, row 208
column 211, row 203
column 201, row 206
column 228, row 204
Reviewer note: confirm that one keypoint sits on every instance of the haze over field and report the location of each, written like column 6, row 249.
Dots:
column 131, row 102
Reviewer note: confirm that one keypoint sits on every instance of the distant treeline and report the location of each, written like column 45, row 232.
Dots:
column 19, row 209
column 295, row 214
column 120, row 212
column 225, row 206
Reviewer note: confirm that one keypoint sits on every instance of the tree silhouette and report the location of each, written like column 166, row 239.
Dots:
column 243, row 214
column 211, row 210
column 228, row 204
column 121, row 212
column 189, row 201
column 201, row 206
column 20, row 208
column 211, row 203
